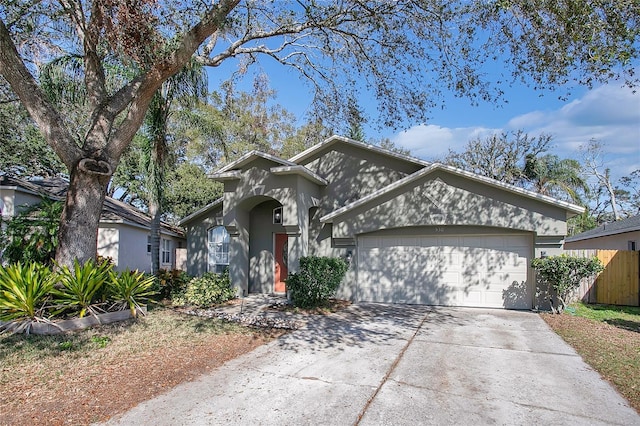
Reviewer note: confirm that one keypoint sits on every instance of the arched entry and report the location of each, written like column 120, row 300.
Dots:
column 268, row 248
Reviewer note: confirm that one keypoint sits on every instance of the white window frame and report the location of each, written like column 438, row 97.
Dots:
column 217, row 249
column 165, row 254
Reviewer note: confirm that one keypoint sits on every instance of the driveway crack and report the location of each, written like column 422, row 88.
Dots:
column 389, row 372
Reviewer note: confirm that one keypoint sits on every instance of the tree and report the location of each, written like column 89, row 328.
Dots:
column 23, row 150
column 406, row 53
column 560, row 178
column 610, row 200
column 187, row 87
column 500, row 156
column 189, row 189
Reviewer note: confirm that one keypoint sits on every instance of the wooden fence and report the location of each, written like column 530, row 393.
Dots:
column 618, row 284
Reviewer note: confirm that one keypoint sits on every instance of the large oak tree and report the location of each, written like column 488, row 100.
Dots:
column 406, row 53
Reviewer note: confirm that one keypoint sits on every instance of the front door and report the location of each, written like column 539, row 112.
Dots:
column 280, row 255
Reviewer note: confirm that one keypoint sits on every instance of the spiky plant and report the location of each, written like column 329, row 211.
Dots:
column 24, row 290
column 82, row 287
column 131, row 288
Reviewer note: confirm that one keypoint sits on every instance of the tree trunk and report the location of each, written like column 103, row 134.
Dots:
column 78, row 234
column 154, row 211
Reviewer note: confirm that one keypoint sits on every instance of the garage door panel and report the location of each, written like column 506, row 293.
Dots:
column 487, row 271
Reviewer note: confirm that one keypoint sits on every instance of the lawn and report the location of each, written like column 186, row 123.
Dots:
column 89, row 376
column 608, row 339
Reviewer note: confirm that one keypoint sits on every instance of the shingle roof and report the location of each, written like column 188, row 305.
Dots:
column 629, row 224
column 112, row 209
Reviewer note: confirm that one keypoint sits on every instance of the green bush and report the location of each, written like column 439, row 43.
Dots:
column 82, row 288
column 564, row 273
column 32, row 235
column 171, row 284
column 24, row 291
column 317, row 281
column 130, row 288
column 208, row 290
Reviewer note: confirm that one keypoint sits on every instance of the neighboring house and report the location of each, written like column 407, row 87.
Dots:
column 413, row 232
column 620, row 235
column 123, row 233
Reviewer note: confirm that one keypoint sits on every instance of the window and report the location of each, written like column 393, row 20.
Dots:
column 218, row 249
column 149, row 244
column 277, row 215
column 632, row 245
column 166, row 251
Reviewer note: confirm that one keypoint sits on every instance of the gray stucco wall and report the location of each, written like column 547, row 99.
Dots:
column 446, row 199
column 197, row 240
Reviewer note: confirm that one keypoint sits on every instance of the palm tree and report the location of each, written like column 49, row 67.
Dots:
column 550, row 175
column 186, row 88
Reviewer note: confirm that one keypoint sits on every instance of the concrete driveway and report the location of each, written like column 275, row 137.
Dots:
column 399, row 365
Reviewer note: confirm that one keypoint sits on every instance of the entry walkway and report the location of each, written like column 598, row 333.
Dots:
column 399, row 365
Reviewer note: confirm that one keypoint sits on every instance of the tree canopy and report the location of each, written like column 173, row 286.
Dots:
column 404, row 53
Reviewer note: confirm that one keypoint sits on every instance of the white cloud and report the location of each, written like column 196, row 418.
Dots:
column 609, row 114
column 432, row 142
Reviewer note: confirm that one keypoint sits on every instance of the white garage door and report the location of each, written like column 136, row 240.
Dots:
column 458, row 270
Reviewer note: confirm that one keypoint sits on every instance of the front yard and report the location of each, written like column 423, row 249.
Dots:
column 608, row 339
column 89, row 376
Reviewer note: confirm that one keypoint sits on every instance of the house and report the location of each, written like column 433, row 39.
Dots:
column 412, row 231
column 123, row 233
column 620, row 235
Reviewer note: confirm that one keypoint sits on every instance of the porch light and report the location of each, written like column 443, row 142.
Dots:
column 277, row 215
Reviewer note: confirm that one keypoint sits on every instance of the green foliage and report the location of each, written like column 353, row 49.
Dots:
column 169, row 284
column 564, row 273
column 23, row 150
column 317, row 280
column 189, row 189
column 24, row 289
column 208, row 290
column 502, row 157
column 32, row 235
column 130, row 288
column 82, row 288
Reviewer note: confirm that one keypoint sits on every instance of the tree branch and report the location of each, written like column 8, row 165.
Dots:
column 27, row 89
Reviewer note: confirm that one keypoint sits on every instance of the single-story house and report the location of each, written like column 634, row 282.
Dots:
column 412, row 231
column 123, row 233
column 620, row 235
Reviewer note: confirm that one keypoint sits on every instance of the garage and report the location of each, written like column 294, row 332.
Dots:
column 488, row 271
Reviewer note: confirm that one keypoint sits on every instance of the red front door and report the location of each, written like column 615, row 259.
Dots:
column 280, row 254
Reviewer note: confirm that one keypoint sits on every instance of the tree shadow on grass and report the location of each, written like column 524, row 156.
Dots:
column 625, row 324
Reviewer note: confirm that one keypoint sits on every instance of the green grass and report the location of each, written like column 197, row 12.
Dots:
column 627, row 317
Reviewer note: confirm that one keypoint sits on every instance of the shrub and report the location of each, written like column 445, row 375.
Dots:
column 317, row 280
column 32, row 235
column 130, row 288
column 564, row 273
column 24, row 290
column 170, row 284
column 208, row 290
column 83, row 287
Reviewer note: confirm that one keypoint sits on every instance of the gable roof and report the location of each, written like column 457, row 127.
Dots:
column 112, row 210
column 249, row 157
column 335, row 139
column 201, row 211
column 629, row 224
column 437, row 166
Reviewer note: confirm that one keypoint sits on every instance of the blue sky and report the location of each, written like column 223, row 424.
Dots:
column 609, row 113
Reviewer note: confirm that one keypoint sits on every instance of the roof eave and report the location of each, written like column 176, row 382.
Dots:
column 300, row 171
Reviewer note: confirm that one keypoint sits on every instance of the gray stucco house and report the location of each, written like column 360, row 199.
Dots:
column 620, row 235
column 413, row 232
